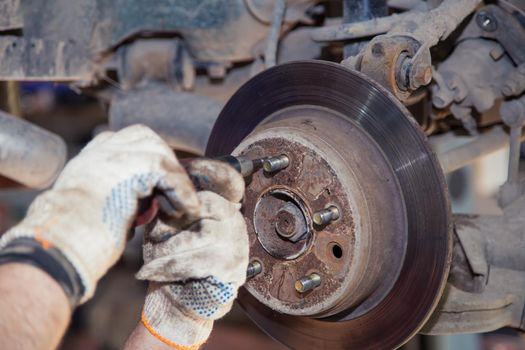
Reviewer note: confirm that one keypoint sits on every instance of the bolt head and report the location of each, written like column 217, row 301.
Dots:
column 486, row 21
column 285, row 223
column 420, row 75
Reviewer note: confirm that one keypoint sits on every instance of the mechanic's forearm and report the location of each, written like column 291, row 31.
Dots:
column 34, row 312
column 141, row 338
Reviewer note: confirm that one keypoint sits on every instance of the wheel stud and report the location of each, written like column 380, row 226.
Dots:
column 306, row 283
column 254, row 268
column 273, row 164
column 326, row 215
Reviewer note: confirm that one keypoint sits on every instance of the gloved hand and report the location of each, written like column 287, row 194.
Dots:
column 91, row 207
column 195, row 270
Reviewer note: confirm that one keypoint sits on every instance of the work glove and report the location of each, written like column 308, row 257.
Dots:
column 195, row 268
column 89, row 211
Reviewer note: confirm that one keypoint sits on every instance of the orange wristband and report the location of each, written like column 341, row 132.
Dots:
column 167, row 341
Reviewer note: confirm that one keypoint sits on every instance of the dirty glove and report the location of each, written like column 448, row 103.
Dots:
column 87, row 214
column 195, row 269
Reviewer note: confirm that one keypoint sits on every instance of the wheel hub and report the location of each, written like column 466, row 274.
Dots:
column 327, row 157
column 352, row 237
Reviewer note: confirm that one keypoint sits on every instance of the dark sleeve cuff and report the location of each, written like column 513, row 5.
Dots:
column 51, row 260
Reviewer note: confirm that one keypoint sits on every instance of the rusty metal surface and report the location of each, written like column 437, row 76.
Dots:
column 360, row 254
column 184, row 120
column 470, row 81
column 382, row 60
column 400, row 59
column 437, row 24
column 347, row 31
column 273, row 224
column 328, row 86
column 62, row 39
column 486, row 289
column 481, row 70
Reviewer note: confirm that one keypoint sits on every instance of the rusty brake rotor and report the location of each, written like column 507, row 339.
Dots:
column 353, row 231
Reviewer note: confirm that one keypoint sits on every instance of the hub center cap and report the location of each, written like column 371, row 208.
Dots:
column 282, row 223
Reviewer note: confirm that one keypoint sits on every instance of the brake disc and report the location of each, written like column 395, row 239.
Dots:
column 371, row 276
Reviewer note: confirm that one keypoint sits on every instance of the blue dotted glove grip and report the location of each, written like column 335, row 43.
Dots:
column 204, row 297
column 122, row 202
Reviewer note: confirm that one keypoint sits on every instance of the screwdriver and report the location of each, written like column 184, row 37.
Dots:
column 244, row 165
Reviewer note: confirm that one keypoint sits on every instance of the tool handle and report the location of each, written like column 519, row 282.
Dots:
column 204, row 177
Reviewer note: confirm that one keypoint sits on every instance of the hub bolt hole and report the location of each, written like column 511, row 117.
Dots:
column 337, row 251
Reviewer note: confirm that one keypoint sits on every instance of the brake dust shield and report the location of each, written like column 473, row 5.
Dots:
column 383, row 262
